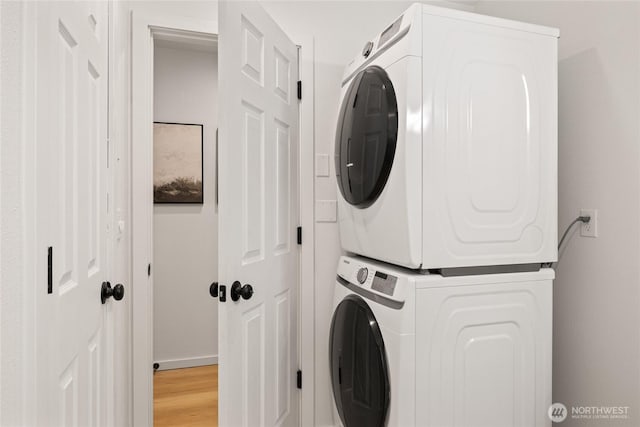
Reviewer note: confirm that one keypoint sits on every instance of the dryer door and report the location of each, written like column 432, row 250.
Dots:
column 366, row 137
column 358, row 363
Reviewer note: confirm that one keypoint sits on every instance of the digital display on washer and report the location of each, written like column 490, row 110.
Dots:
column 384, row 283
column 391, row 31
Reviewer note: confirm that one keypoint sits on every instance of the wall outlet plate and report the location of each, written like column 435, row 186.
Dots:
column 589, row 229
column 326, row 210
column 322, row 165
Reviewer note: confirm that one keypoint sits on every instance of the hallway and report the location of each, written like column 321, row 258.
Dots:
column 186, row 397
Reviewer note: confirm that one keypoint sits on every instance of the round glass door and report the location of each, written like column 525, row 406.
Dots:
column 366, row 137
column 359, row 371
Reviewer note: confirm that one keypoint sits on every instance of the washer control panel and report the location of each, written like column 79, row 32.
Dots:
column 384, row 283
column 363, row 274
column 366, row 50
column 372, row 278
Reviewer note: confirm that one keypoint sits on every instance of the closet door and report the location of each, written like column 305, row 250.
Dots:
column 74, row 361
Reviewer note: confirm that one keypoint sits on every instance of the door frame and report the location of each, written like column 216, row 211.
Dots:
column 144, row 29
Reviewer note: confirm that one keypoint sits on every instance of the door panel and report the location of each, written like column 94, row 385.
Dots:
column 283, row 356
column 283, row 188
column 252, row 136
column 95, row 379
column 366, row 137
column 259, row 212
column 282, row 76
column 96, row 112
column 253, row 374
column 67, row 85
column 358, row 363
column 71, row 169
column 252, row 51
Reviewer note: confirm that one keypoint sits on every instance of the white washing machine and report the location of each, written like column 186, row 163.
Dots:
column 410, row 349
column 446, row 144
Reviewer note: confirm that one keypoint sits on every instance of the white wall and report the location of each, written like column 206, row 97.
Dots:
column 185, row 256
column 597, row 291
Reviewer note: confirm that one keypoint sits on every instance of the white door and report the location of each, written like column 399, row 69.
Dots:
column 73, row 360
column 258, row 213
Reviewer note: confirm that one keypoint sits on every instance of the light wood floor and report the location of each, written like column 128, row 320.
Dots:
column 186, row 397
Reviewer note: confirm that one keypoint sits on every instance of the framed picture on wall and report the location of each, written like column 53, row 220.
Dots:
column 177, row 163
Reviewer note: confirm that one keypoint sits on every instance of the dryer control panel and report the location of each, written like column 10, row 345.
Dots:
column 404, row 33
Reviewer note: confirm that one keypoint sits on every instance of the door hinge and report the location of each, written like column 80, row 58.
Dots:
column 148, row 270
column 299, row 235
column 299, row 89
column 50, row 270
column 299, row 379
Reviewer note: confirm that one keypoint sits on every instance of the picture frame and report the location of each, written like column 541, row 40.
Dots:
column 178, row 163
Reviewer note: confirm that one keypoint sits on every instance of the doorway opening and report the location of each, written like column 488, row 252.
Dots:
column 185, row 231
column 146, row 32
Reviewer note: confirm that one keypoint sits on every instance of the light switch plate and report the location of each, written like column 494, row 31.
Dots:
column 326, row 210
column 322, row 165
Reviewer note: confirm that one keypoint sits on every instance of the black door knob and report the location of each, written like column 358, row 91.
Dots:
column 106, row 292
column 118, row 292
column 213, row 290
column 237, row 291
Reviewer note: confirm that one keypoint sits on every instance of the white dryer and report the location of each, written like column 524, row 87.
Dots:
column 409, row 349
column 446, row 143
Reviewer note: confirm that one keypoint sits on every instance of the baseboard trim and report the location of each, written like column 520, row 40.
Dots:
column 190, row 362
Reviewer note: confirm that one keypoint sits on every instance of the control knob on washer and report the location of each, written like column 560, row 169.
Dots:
column 363, row 273
column 366, row 50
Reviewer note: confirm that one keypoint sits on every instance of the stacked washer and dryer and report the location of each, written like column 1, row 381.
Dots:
column 446, row 162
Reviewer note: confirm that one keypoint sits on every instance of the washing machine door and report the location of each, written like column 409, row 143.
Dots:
column 359, row 370
column 366, row 137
